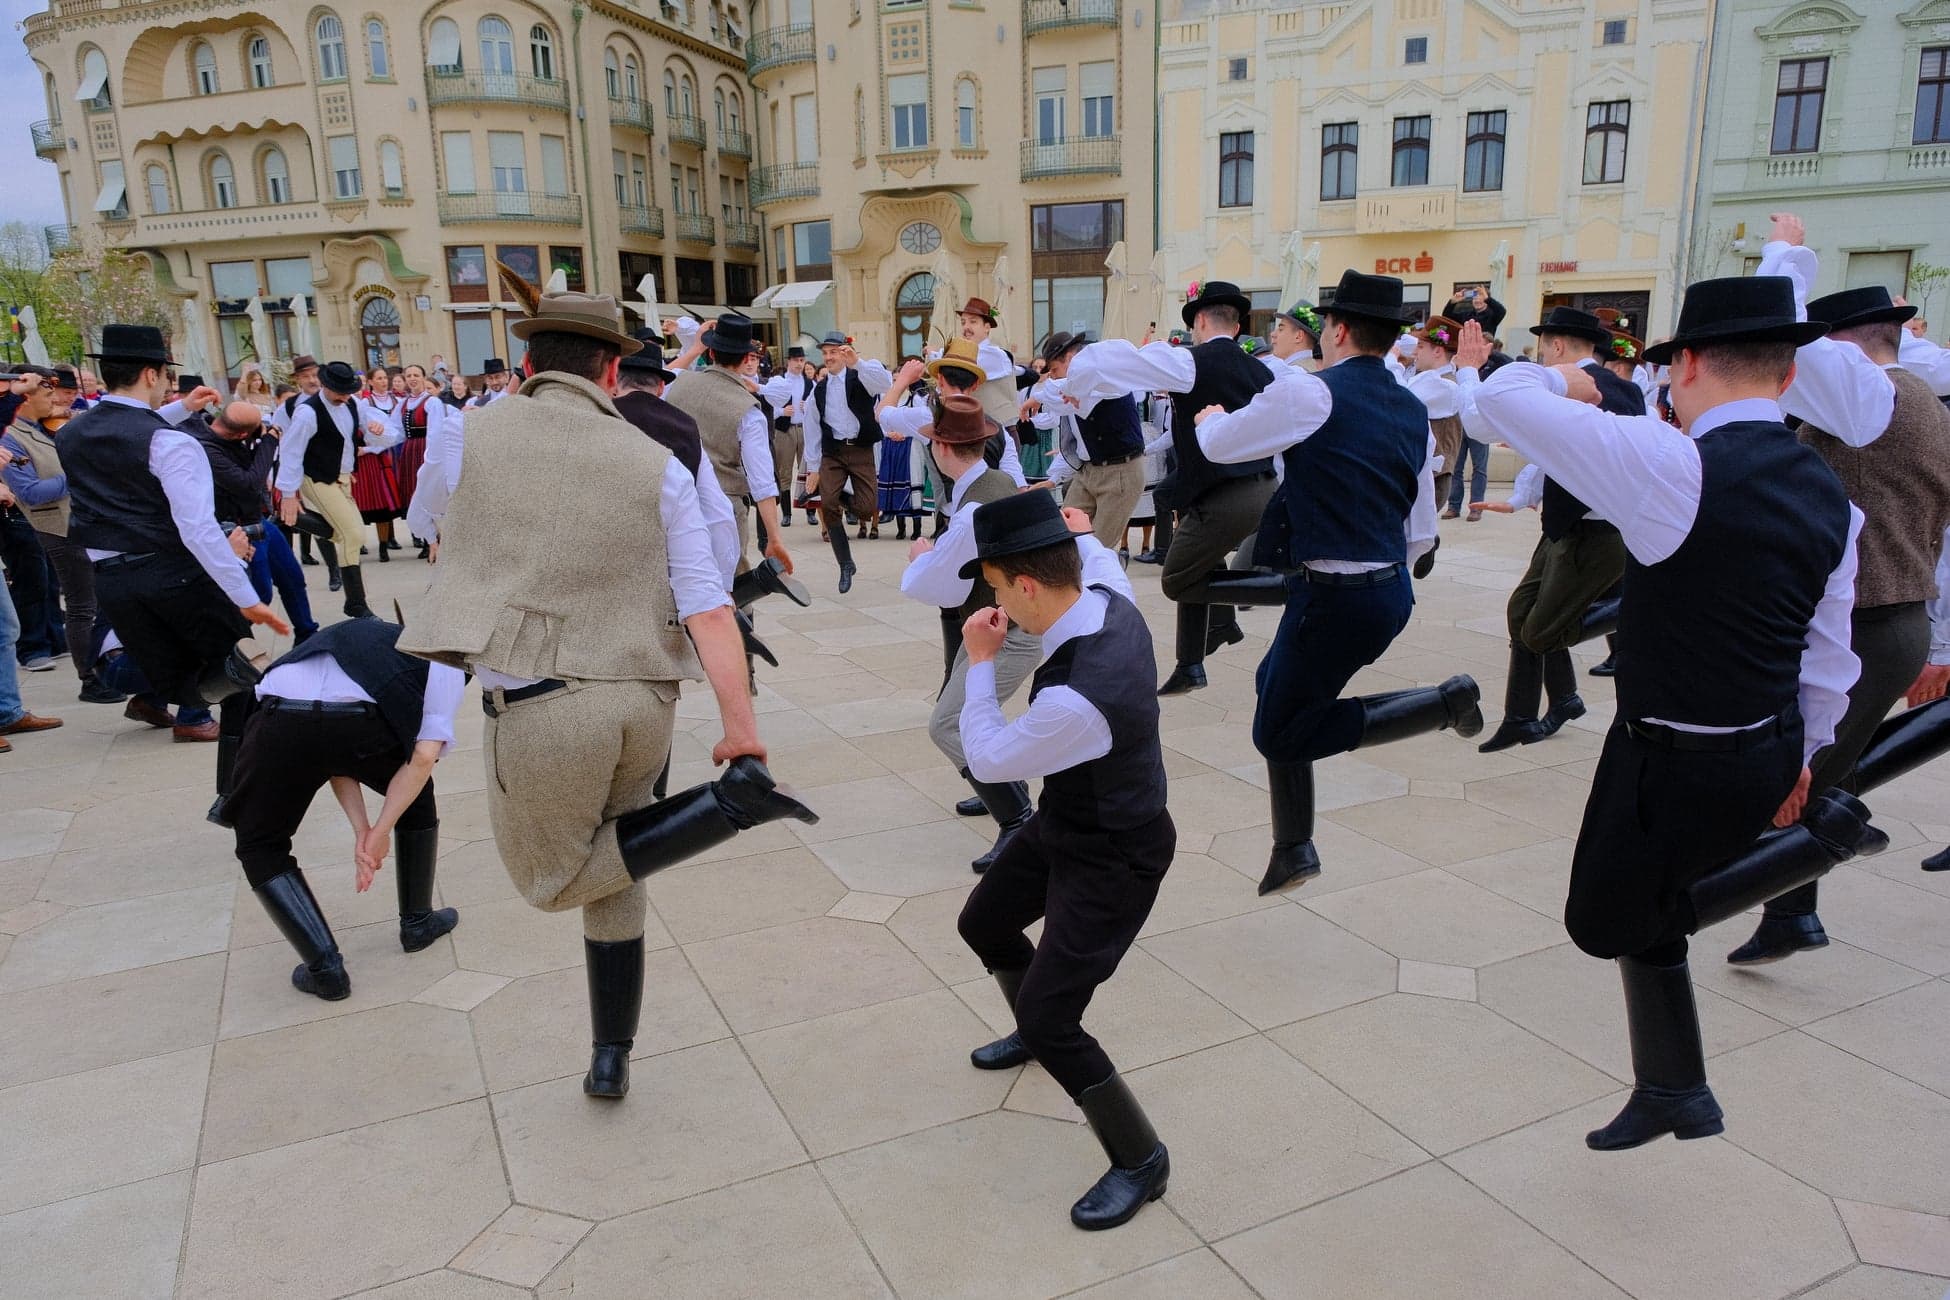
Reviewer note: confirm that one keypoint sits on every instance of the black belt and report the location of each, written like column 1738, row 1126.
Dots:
column 1705, row 742
column 320, row 708
column 1115, row 460
column 124, row 560
column 1372, row 578
column 520, row 693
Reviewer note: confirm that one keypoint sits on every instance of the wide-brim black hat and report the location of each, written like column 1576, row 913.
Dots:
column 1577, row 324
column 1026, row 521
column 730, row 333
column 1370, row 297
column 493, row 366
column 339, row 377
column 1737, row 309
column 133, row 343
column 1061, row 342
column 1216, row 293
column 650, row 358
column 795, row 353
column 1871, row 305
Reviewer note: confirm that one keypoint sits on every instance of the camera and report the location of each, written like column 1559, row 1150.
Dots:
column 253, row 533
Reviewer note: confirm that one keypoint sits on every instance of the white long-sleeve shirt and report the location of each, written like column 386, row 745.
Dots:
column 1939, row 607
column 1926, row 360
column 1060, row 729
column 755, row 452
column 346, row 417
column 1836, row 387
column 1114, row 367
column 1644, row 476
column 1443, row 396
column 180, row 464
column 917, row 421
column 321, row 678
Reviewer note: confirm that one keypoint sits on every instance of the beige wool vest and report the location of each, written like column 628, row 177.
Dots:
column 1901, row 483
column 718, row 402
column 553, row 560
column 51, row 518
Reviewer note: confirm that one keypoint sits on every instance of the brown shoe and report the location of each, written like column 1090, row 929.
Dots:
column 5, row 748
column 197, row 734
column 1448, row 514
column 1474, row 515
column 29, row 722
column 144, row 712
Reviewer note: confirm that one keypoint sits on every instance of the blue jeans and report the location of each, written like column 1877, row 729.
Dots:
column 273, row 563
column 1479, row 482
column 122, row 673
column 11, row 709
column 1327, row 634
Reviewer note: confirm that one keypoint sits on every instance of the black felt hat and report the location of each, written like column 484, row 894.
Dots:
column 1027, row 521
column 1061, row 342
column 339, row 377
column 730, row 333
column 1737, row 309
column 795, row 353
column 1577, row 324
column 1215, row 293
column 133, row 343
column 1871, row 305
column 493, row 366
column 1371, row 297
column 649, row 358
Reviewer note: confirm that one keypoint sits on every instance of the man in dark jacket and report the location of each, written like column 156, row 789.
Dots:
column 240, row 466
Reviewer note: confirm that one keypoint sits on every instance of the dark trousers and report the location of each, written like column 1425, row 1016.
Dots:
column 1546, row 611
column 77, row 574
column 1208, row 530
column 31, row 577
column 1893, row 643
column 273, row 564
column 1656, row 821
column 843, row 464
column 1093, row 891
column 120, row 672
column 171, row 617
column 1478, row 482
column 1326, row 635
column 288, row 756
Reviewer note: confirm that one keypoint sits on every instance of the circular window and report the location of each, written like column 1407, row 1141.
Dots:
column 921, row 237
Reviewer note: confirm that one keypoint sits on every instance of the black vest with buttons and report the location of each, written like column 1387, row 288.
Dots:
column 325, row 452
column 1224, row 375
column 1561, row 511
column 859, row 401
column 364, row 649
column 1125, row 788
column 1112, row 430
column 116, row 504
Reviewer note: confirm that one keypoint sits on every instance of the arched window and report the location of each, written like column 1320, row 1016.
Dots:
column 379, row 332
column 913, row 306
column 541, row 52
column 262, row 77
column 443, row 46
column 223, row 182
column 965, row 128
column 331, row 49
column 277, row 176
column 376, row 56
column 497, row 46
column 717, row 98
column 670, row 91
column 687, row 95
column 392, row 170
column 632, row 84
column 612, row 75
column 204, row 60
column 94, row 90
column 53, row 101
column 157, row 181
column 737, row 108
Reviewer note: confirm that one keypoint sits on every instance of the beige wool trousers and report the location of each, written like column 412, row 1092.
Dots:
column 561, row 768
column 1108, row 494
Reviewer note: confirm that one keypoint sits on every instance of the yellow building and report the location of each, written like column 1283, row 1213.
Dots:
column 912, row 152
column 374, row 163
column 1544, row 149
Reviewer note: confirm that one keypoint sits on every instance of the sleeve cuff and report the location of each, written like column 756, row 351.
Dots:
column 981, row 681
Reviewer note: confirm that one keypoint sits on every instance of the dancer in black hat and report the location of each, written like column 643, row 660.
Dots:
column 327, row 430
column 1357, row 507
column 841, row 408
column 1733, row 661
column 1088, row 863
column 736, row 434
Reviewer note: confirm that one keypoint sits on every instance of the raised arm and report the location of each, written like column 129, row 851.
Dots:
column 1289, row 410
column 1836, row 387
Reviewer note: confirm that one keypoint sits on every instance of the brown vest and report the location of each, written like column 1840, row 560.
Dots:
column 1901, row 483
column 535, row 577
column 717, row 401
column 989, row 485
column 51, row 518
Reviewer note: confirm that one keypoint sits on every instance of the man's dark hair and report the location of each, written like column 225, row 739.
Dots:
column 1370, row 336
column 729, row 360
column 1884, row 336
column 118, row 374
column 575, row 354
column 1579, row 345
column 962, row 381
column 1757, row 363
column 637, row 381
column 283, row 391
column 1051, row 566
column 1222, row 314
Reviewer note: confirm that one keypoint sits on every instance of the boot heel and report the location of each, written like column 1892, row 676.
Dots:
column 1712, row 1128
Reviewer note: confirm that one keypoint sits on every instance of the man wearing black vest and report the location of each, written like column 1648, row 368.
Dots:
column 956, row 370
column 640, row 384
column 315, row 465
column 735, row 431
column 304, row 374
column 1357, row 508
column 842, row 410
column 1090, row 861
column 1733, row 662
column 1578, row 558
column 349, row 710
column 787, row 394
column 1100, row 444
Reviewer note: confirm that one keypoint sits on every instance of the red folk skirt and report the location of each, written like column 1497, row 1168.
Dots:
column 407, row 459
column 375, row 487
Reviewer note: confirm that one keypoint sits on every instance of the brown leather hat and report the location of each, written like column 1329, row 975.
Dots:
column 959, row 422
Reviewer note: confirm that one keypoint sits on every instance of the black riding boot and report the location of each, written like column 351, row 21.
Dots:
column 354, row 578
column 1248, row 587
column 1008, row 1051
column 696, row 819
column 230, row 676
column 1783, row 865
column 1398, row 714
column 232, row 715
column 334, row 576
column 1521, row 697
column 1293, row 861
column 1007, row 802
column 420, row 923
column 615, row 1001
column 1601, row 618
column 289, row 902
column 1669, row 1092
column 1189, row 675
column 843, row 553
column 1139, row 1163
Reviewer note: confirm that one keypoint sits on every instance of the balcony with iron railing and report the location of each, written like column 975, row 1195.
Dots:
column 741, row 234
column 1095, row 155
column 471, row 87
column 695, row 228
column 734, row 143
column 785, row 181
column 48, row 140
column 777, row 46
column 633, row 114
column 684, row 128
column 1055, row 15
column 520, row 205
column 59, row 239
column 637, row 219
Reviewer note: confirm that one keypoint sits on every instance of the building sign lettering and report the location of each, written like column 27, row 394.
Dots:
column 1421, row 264
column 1556, row 268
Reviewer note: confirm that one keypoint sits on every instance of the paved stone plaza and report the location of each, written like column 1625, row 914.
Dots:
column 1377, row 1087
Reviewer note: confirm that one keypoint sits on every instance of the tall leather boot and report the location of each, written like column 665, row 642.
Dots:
column 1902, row 744
column 232, row 715
column 1600, row 618
column 289, row 902
column 1398, row 714
column 1521, row 697
column 767, row 578
column 688, row 823
column 843, row 553
column 1561, row 686
column 1008, row 1051
column 416, row 850
column 354, row 578
column 1007, row 802
column 1189, row 675
column 1669, row 1092
column 615, row 1001
column 1139, row 1163
column 229, row 676
column 1248, row 587
column 334, row 576
column 1608, row 666
column 1294, row 860
column 1782, row 862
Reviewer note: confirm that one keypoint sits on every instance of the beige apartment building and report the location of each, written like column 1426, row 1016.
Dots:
column 1543, row 148
column 914, row 152
column 375, row 162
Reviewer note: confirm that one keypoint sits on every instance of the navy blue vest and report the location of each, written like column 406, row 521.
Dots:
column 1112, row 429
column 1223, row 375
column 115, row 503
column 1349, row 487
column 1713, row 633
column 1126, row 787
column 364, row 648
column 859, row 401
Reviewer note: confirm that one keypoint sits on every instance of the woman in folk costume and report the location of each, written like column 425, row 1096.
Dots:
column 900, row 485
column 422, row 414
column 375, row 482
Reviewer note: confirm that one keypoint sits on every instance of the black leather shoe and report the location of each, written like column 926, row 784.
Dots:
column 1002, row 1054
column 1606, row 667
column 1219, row 638
column 1565, row 710
column 1654, row 1112
column 417, row 932
column 971, row 807
column 609, row 1070
column 1778, row 937
column 1148, row 557
column 1185, row 677
column 1937, row 861
column 615, row 972
column 1289, row 865
column 1425, row 564
column 1874, row 840
column 1511, row 732
column 93, row 692
column 846, row 577
column 324, row 979
column 1139, row 1163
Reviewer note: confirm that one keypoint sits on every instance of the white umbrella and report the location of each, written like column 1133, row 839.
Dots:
column 1309, row 275
column 301, row 326
column 558, row 281
column 1290, row 272
column 260, row 331
column 1499, row 268
column 188, row 345
column 31, row 341
column 945, row 321
column 1005, row 288
column 1117, row 293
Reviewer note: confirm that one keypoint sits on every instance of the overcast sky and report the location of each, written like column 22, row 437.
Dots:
column 30, row 190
